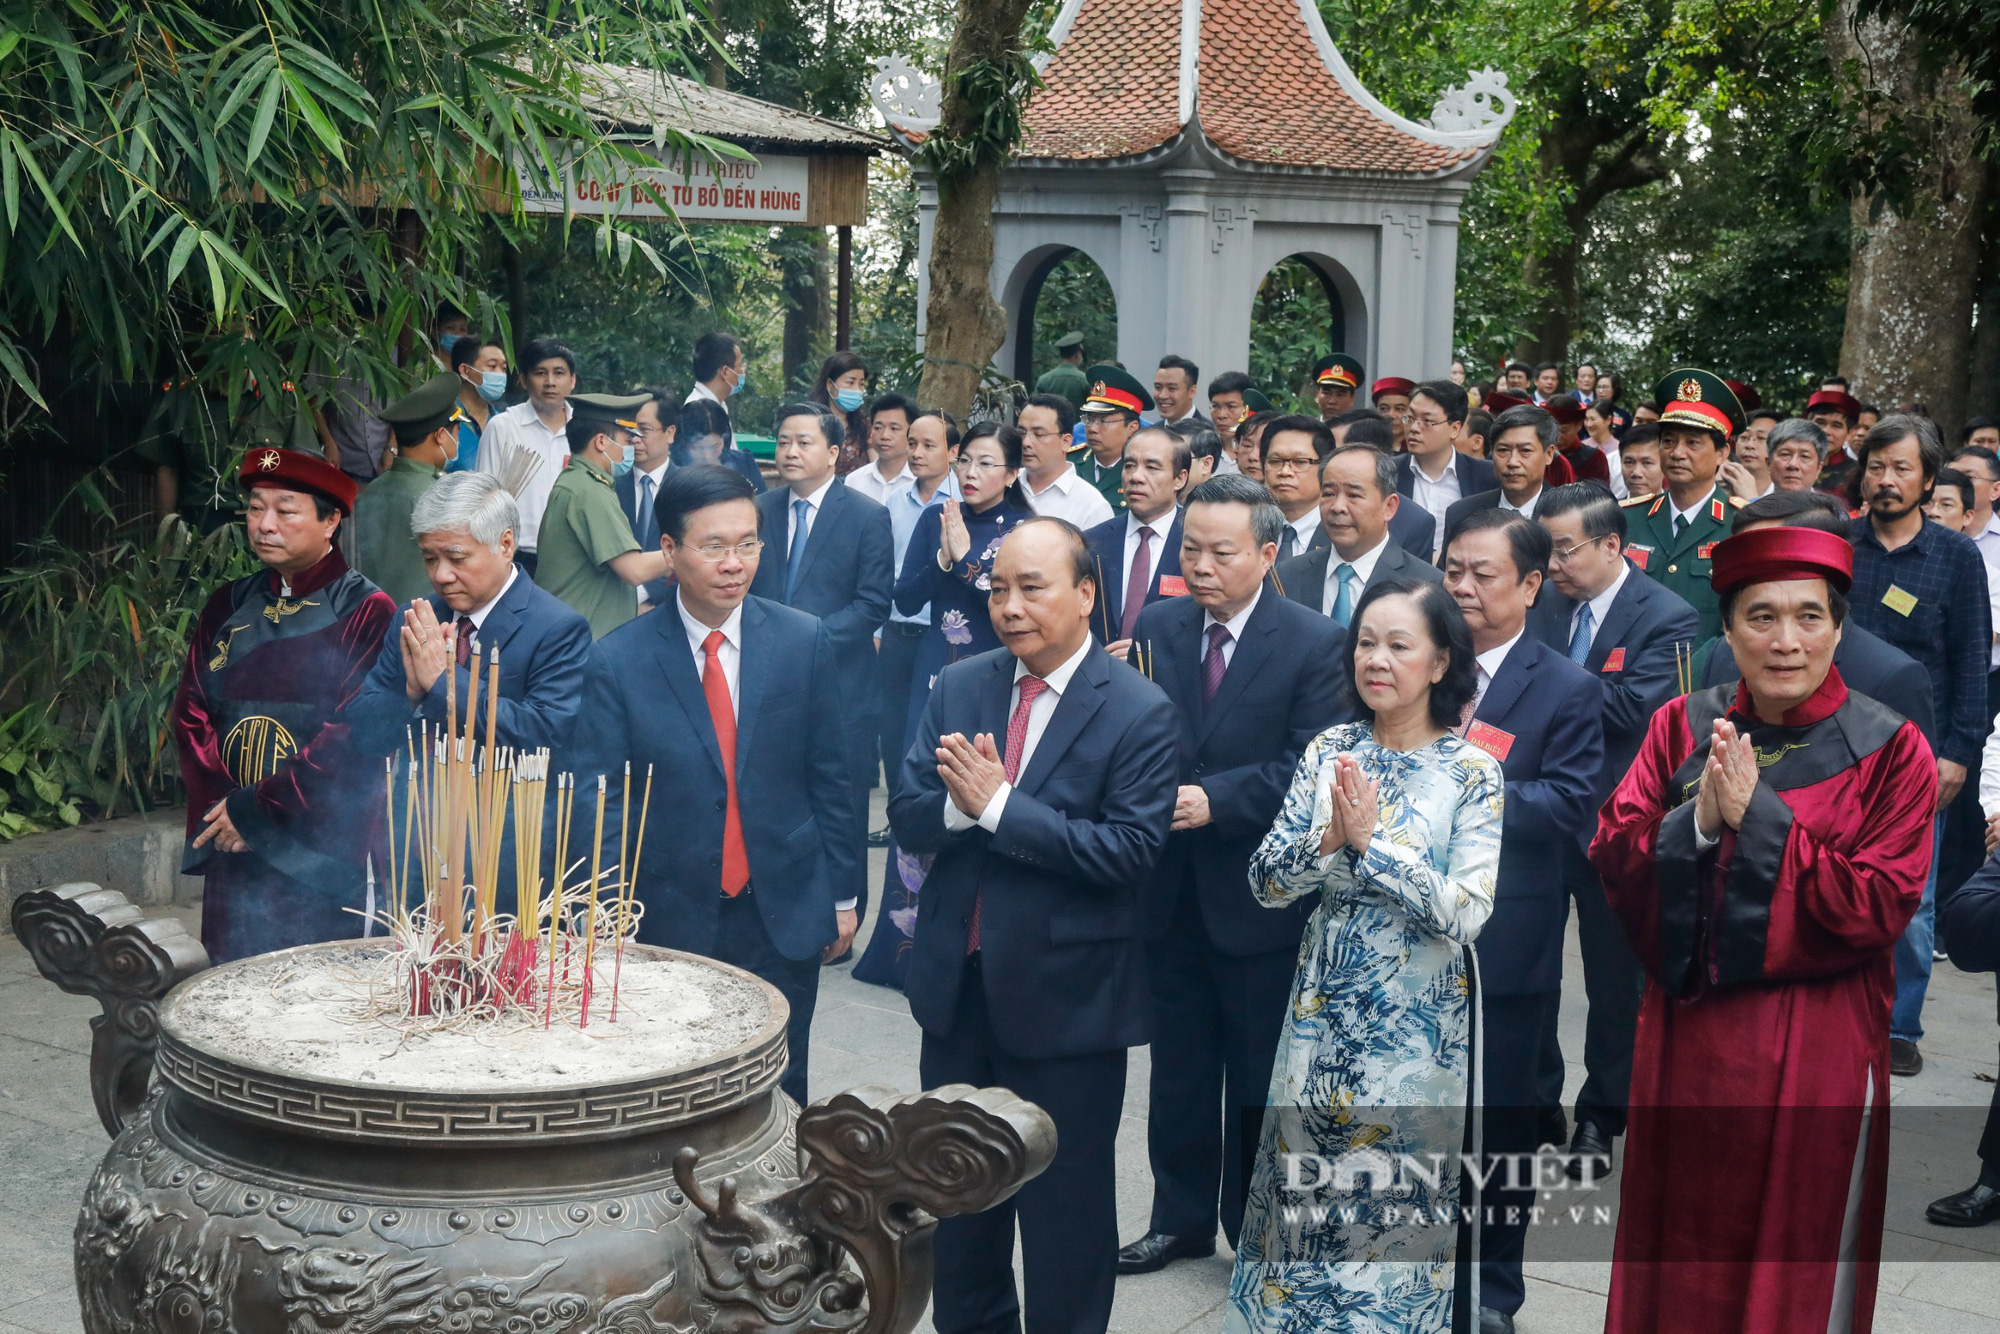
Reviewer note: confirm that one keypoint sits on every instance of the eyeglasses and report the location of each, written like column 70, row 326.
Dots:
column 714, row 553
column 1288, row 465
column 1561, row 555
column 1428, row 423
column 980, row 465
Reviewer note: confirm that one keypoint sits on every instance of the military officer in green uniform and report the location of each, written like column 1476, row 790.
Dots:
column 1335, row 378
column 589, row 558
column 1066, row 376
column 1110, row 417
column 1672, row 534
column 426, row 425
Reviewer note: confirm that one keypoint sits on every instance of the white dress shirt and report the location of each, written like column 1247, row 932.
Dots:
column 868, row 480
column 1613, row 462
column 1690, row 514
column 520, row 427
column 1156, row 545
column 1600, row 606
column 1039, row 712
column 1364, row 567
column 1988, row 539
column 1234, row 625
column 1225, row 462
column 1436, row 495
column 702, row 391
column 728, row 656
column 1526, row 510
column 658, row 475
column 1304, row 528
column 1069, row 497
column 478, row 614
column 1489, row 664
column 792, row 534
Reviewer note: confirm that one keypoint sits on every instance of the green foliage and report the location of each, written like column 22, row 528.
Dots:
column 1076, row 296
column 89, row 665
column 229, row 190
column 1290, row 329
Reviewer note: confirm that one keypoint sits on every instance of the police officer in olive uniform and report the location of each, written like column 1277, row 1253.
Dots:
column 1672, row 534
column 1066, row 377
column 588, row 556
column 426, row 425
column 1335, row 378
column 1110, row 417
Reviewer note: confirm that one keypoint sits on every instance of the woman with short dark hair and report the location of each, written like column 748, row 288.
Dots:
column 1394, row 822
column 842, row 387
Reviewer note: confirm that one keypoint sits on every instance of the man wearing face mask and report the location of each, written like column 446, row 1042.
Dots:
column 719, row 373
column 426, row 426
column 481, row 368
column 589, row 557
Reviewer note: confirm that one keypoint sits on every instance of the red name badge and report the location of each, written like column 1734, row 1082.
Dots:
column 1172, row 586
column 1614, row 661
column 1490, row 739
column 1637, row 555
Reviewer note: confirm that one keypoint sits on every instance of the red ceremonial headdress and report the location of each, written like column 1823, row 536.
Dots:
column 1746, row 397
column 1564, row 409
column 289, row 470
column 1391, row 384
column 1499, row 401
column 1837, row 399
column 1764, row 555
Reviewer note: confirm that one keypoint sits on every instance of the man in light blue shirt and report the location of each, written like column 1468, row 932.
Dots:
column 933, row 451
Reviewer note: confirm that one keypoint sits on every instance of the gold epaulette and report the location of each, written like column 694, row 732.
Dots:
column 1630, row 501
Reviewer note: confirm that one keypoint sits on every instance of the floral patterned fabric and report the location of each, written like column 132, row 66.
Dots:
column 1376, row 1055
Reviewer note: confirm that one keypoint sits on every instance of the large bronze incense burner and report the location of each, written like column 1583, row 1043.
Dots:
column 253, row 1196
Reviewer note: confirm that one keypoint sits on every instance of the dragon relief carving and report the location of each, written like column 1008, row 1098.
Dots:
column 879, row 1169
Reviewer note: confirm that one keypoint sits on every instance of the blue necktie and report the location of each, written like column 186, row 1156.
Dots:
column 649, row 530
column 1579, row 640
column 796, row 559
column 1343, row 598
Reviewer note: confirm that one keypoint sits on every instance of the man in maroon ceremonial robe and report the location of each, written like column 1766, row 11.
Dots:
column 282, row 813
column 1764, row 853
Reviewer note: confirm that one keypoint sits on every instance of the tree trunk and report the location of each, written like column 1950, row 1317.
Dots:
column 1914, row 269
column 802, row 270
column 964, row 324
column 1982, row 386
column 717, row 73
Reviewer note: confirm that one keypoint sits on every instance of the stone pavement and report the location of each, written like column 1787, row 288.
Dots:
column 50, row 1143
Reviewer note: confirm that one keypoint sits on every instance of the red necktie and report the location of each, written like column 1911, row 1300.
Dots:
column 462, row 640
column 715, row 688
column 1136, row 583
column 1017, row 741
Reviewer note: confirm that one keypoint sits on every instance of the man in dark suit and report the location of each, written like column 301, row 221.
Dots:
column 465, row 525
column 1253, row 678
column 1409, row 527
column 639, row 486
column 1524, row 444
column 1433, row 474
column 1632, row 636
column 1971, row 922
column 1357, row 497
column 733, row 703
column 1139, row 551
column 832, row 554
column 1042, row 781
column 1867, row 663
column 1541, row 716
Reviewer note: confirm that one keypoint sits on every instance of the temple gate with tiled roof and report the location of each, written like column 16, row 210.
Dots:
column 1189, row 146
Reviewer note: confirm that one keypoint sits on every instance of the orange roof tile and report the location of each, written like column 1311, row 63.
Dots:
column 1113, row 87
column 1264, row 94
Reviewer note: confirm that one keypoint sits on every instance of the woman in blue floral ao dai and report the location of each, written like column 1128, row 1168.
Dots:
column 1395, row 822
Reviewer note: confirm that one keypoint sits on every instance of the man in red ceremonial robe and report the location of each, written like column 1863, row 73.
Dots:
column 282, row 813
column 1764, row 852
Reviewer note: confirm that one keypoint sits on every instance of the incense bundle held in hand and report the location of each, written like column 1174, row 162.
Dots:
column 463, row 958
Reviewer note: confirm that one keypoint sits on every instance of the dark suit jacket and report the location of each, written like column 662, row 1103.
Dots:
column 1284, row 687
column 849, row 572
column 543, row 646
column 1304, row 577
column 1107, row 548
column 1474, row 475
column 741, row 462
column 1868, row 663
column 1970, row 922
column 1645, row 622
column 1463, row 509
column 1545, row 703
column 1060, row 882
column 1410, row 528
column 646, row 533
column 794, row 787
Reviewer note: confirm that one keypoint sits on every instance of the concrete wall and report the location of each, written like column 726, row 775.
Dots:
column 139, row 856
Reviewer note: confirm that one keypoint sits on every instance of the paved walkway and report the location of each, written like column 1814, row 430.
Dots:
column 1947, row 1282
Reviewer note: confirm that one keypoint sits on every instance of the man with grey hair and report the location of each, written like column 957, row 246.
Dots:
column 466, row 526
column 1794, row 452
column 1253, row 678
